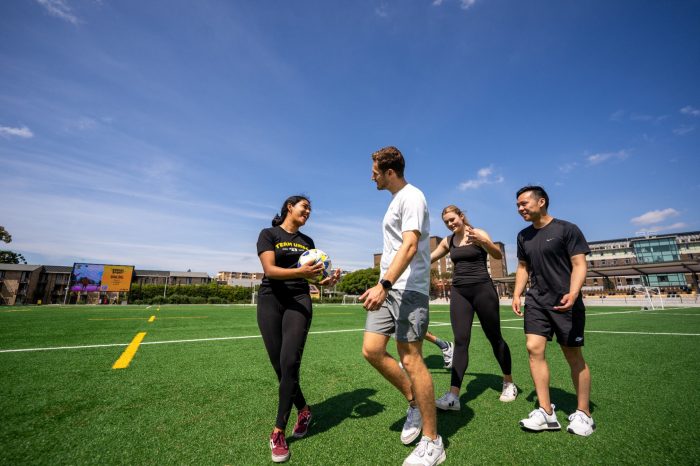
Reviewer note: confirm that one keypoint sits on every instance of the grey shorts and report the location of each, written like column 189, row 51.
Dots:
column 404, row 313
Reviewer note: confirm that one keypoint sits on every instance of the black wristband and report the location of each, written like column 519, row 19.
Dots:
column 386, row 284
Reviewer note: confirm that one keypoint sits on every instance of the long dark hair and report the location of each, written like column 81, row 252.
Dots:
column 293, row 200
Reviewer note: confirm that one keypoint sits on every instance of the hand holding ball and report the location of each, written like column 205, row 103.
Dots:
column 313, row 257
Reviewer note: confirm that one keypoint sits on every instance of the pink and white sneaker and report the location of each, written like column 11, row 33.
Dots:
column 278, row 445
column 302, row 425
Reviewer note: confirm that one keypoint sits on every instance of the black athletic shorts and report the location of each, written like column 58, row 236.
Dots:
column 567, row 326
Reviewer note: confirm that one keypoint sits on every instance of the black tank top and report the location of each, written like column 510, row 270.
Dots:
column 469, row 264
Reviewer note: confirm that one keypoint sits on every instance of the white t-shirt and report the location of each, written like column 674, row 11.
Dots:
column 408, row 211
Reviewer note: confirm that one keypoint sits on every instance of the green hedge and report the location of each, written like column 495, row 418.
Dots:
column 190, row 294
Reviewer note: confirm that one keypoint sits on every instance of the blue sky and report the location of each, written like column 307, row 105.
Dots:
column 166, row 134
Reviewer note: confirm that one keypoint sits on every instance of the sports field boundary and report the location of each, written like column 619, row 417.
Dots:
column 326, row 332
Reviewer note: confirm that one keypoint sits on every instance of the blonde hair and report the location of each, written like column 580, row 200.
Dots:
column 456, row 210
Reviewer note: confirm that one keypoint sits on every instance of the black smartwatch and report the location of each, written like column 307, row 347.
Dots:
column 386, row 284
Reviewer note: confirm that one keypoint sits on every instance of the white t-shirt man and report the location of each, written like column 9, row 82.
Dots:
column 408, row 211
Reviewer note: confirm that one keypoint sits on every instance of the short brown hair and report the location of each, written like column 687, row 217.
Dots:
column 390, row 157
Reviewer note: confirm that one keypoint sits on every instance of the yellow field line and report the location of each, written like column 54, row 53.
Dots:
column 151, row 319
column 129, row 352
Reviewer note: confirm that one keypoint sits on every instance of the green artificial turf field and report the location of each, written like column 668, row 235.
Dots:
column 200, row 390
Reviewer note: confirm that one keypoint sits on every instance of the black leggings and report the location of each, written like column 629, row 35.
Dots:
column 464, row 301
column 284, row 323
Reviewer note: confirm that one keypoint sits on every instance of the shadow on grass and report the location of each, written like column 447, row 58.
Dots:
column 565, row 401
column 480, row 384
column 434, row 361
column 449, row 422
column 349, row 405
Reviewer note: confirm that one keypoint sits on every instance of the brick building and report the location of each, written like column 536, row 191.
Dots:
column 443, row 267
column 48, row 284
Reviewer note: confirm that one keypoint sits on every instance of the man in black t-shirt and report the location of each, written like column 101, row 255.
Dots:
column 552, row 253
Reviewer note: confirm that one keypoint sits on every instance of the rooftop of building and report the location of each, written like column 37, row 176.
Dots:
column 646, row 237
column 19, row 267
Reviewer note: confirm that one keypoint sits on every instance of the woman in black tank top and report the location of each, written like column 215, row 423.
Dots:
column 472, row 293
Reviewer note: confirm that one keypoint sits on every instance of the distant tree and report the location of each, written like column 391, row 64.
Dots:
column 9, row 257
column 5, row 237
column 358, row 281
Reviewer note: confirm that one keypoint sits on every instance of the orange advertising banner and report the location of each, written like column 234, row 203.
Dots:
column 117, row 278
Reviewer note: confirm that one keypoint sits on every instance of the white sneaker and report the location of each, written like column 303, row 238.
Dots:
column 447, row 354
column 427, row 453
column 540, row 420
column 448, row 401
column 509, row 393
column 581, row 424
column 412, row 426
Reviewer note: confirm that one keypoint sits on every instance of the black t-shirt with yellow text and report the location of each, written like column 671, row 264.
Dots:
column 287, row 248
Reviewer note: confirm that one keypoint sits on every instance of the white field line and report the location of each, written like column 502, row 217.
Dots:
column 594, row 314
column 324, row 332
column 193, row 340
column 629, row 333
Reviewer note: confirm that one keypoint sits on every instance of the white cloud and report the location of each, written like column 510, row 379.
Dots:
column 674, row 226
column 81, row 124
column 617, row 116
column 601, row 157
column 382, row 10
column 692, row 111
column 655, row 216
column 23, row 132
column 483, row 177
column 463, row 4
column 683, row 129
column 568, row 167
column 646, row 117
column 59, row 9
column 484, row 172
column 621, row 115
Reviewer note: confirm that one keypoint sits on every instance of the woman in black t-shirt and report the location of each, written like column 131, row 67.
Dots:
column 472, row 292
column 284, row 312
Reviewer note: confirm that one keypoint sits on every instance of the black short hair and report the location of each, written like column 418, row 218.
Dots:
column 538, row 191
